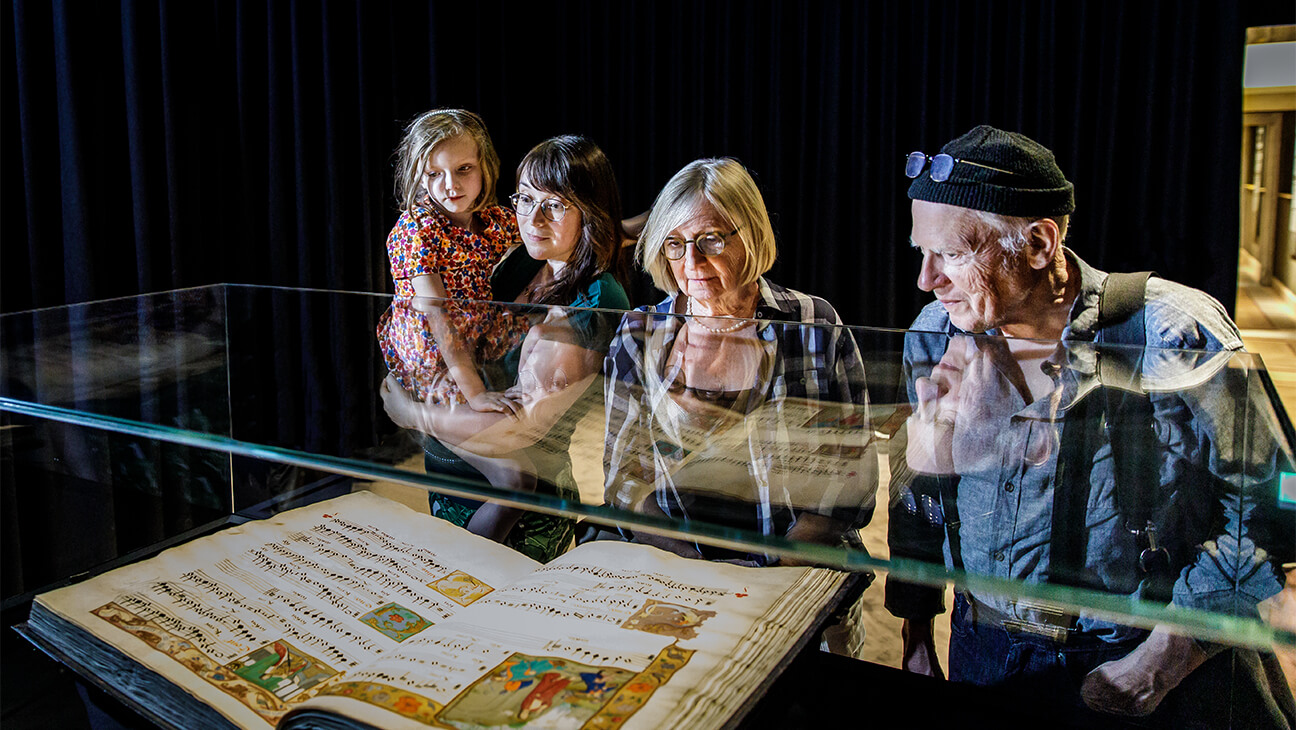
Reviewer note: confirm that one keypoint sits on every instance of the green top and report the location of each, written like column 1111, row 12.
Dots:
column 517, row 269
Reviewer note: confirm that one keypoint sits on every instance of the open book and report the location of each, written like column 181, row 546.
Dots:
column 361, row 611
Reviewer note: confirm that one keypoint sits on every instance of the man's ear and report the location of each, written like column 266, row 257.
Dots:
column 1043, row 243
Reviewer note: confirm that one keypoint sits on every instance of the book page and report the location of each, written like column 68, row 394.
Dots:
column 610, row 635
column 257, row 618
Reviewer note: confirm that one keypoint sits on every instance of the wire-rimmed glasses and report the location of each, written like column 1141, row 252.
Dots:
column 942, row 165
column 711, row 243
column 552, row 208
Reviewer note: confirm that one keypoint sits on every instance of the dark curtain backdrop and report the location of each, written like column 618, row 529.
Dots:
column 151, row 145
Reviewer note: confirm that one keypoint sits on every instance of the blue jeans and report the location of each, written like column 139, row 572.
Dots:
column 987, row 654
column 1236, row 688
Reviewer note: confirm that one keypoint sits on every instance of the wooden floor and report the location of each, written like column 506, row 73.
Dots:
column 1267, row 318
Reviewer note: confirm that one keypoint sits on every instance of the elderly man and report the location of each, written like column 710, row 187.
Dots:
column 1031, row 461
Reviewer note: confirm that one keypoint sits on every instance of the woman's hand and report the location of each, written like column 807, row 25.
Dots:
column 401, row 407
column 490, row 401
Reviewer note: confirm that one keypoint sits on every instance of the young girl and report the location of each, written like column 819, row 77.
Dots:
column 449, row 237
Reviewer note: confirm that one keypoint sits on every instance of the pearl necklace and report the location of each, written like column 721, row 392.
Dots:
column 688, row 309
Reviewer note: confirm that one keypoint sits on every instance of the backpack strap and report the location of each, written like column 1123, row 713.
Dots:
column 1125, row 415
column 1122, row 298
column 1120, row 321
column 1130, row 424
column 1069, row 540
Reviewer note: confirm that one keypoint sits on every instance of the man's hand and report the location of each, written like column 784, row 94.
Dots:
column 931, row 427
column 965, row 406
column 920, row 648
column 1135, row 684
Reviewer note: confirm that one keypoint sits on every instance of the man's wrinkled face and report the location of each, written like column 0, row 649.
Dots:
column 979, row 284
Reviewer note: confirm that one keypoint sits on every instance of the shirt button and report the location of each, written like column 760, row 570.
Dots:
column 1009, row 487
column 998, row 556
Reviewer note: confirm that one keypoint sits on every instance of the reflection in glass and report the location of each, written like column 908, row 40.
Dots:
column 1147, row 473
column 289, row 382
column 764, row 428
column 548, row 367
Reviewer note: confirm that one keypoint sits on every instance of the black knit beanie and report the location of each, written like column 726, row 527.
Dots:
column 1032, row 185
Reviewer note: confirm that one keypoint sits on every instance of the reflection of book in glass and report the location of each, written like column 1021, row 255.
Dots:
column 369, row 612
column 831, row 418
column 803, row 454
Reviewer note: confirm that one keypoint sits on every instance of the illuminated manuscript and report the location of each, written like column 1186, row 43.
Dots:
column 367, row 610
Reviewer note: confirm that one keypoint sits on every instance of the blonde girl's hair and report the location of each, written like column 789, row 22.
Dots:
column 730, row 189
column 422, row 135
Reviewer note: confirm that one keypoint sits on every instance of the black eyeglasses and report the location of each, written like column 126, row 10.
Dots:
column 708, row 244
column 941, row 165
column 552, row 208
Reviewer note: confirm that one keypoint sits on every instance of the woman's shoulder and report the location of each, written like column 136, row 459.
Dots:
column 635, row 321
column 604, row 292
column 795, row 306
column 513, row 273
column 665, row 306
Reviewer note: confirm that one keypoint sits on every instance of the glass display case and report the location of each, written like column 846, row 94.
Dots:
column 1062, row 488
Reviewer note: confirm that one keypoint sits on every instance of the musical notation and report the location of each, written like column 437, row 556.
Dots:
column 360, row 536
column 150, row 611
column 629, row 577
column 603, row 656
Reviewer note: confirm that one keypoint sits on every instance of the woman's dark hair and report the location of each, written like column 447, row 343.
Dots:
column 576, row 169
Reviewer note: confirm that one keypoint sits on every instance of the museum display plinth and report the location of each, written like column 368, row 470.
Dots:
column 138, row 424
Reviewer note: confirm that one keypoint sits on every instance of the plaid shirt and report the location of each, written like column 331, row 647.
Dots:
column 816, row 370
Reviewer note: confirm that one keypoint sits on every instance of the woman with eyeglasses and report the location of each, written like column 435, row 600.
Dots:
column 714, row 396
column 568, row 214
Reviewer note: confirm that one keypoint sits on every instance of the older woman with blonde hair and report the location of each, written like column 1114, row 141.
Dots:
column 706, row 198
column 709, row 393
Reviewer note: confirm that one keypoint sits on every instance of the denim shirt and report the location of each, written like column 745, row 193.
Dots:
column 1208, row 481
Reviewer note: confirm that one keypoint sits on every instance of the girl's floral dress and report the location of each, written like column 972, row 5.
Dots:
column 426, row 242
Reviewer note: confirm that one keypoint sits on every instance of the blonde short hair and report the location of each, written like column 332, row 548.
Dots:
column 730, row 189
column 423, row 134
